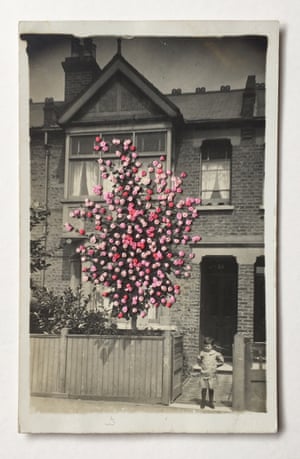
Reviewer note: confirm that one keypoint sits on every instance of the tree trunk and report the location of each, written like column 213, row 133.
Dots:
column 134, row 322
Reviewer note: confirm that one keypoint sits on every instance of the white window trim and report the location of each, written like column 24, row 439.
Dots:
column 111, row 129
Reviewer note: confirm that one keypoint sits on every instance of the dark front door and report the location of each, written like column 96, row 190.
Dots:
column 259, row 301
column 219, row 301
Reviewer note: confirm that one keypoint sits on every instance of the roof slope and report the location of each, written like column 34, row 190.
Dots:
column 209, row 105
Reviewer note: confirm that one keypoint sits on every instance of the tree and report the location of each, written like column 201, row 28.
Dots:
column 139, row 245
column 38, row 251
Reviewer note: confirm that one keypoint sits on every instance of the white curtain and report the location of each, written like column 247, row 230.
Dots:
column 76, row 175
column 215, row 178
column 92, row 176
column 83, row 177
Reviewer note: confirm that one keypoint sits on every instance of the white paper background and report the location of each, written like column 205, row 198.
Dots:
column 282, row 445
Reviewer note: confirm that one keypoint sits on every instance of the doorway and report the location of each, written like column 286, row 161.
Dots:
column 218, row 310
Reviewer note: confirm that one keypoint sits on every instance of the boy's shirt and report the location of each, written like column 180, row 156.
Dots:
column 209, row 361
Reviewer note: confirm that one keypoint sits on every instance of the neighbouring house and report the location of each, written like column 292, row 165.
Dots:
column 217, row 137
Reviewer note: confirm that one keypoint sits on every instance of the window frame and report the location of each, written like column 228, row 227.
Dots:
column 228, row 148
column 111, row 130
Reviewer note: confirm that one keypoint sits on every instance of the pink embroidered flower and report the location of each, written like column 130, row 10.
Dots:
column 116, row 141
column 196, row 238
column 68, row 227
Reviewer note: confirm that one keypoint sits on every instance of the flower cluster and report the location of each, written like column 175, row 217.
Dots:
column 140, row 242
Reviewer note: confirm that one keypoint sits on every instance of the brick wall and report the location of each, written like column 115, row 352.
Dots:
column 185, row 314
column 246, row 218
column 245, row 298
column 54, row 275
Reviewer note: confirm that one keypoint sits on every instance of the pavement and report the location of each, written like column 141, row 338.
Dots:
column 223, row 393
column 79, row 406
column 188, row 401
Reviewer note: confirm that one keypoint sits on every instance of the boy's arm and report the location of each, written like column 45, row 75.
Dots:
column 199, row 359
column 220, row 359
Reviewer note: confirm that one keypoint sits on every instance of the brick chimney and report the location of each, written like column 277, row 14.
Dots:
column 249, row 97
column 81, row 69
column 50, row 118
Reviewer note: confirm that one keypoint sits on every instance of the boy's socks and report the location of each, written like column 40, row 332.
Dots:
column 203, row 398
column 211, row 398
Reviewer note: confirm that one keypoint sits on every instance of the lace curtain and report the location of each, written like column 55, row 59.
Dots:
column 215, row 179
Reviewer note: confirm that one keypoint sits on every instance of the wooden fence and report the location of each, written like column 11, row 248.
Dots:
column 128, row 368
column 249, row 375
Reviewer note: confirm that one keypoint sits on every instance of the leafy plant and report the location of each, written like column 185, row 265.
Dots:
column 50, row 313
column 38, row 252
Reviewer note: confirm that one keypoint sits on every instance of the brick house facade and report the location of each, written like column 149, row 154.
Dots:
column 217, row 137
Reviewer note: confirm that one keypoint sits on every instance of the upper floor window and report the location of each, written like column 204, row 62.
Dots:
column 83, row 170
column 216, row 172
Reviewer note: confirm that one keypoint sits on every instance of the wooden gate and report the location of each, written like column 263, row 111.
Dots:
column 177, row 366
column 249, row 375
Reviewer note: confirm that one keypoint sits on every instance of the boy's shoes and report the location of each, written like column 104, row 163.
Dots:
column 211, row 405
column 202, row 404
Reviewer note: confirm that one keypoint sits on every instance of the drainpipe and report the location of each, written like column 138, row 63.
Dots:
column 47, row 157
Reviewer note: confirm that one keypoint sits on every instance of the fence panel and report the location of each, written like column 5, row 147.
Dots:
column 101, row 367
column 45, row 364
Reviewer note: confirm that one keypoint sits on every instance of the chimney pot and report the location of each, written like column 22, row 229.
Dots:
column 81, row 69
column 89, row 49
column 251, row 83
column 49, row 112
column 75, row 47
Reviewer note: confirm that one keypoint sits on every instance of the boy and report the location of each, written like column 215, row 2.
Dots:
column 209, row 360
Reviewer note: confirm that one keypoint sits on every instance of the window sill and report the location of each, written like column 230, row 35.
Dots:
column 81, row 200
column 208, row 208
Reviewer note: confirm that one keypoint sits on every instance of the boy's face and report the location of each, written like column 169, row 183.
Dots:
column 207, row 347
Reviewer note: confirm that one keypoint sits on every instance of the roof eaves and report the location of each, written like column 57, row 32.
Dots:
column 239, row 119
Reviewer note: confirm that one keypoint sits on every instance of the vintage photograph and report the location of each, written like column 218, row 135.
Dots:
column 151, row 222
